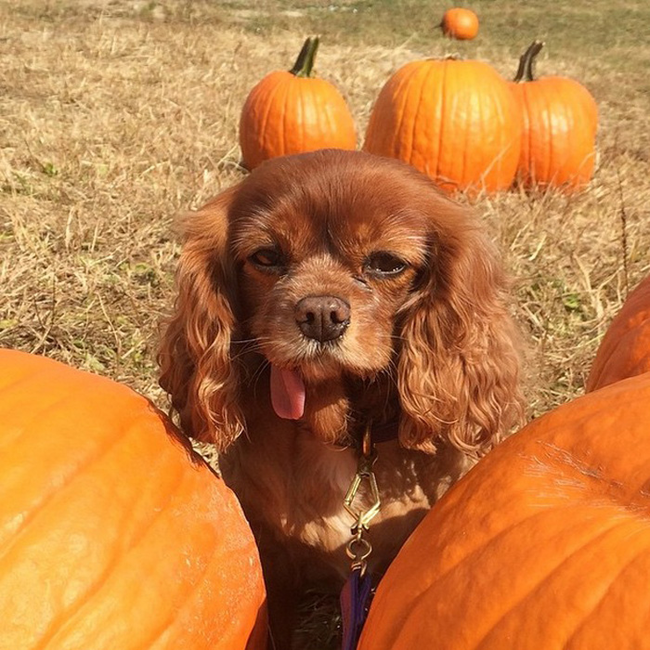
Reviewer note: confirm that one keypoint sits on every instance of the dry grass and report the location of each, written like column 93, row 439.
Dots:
column 115, row 116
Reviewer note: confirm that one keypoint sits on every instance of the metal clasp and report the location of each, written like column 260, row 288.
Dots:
column 358, row 548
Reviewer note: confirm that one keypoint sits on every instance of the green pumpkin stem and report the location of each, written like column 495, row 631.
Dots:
column 305, row 61
column 527, row 61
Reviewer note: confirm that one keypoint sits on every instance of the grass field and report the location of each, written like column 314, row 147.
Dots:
column 117, row 115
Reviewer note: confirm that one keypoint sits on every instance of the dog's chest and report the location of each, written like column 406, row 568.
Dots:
column 294, row 487
column 331, row 468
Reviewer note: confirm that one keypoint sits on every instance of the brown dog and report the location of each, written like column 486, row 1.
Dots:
column 325, row 293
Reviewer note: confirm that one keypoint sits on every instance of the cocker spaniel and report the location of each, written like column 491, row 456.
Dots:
column 324, row 294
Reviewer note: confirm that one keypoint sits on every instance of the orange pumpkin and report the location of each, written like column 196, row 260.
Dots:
column 292, row 112
column 545, row 543
column 459, row 23
column 456, row 121
column 113, row 534
column 625, row 348
column 560, row 120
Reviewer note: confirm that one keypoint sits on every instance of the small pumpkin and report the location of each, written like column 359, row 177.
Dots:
column 459, row 23
column 545, row 543
column 454, row 120
column 560, row 121
column 293, row 112
column 625, row 348
column 113, row 534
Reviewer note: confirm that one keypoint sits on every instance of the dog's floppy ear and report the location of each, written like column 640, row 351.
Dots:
column 195, row 351
column 458, row 370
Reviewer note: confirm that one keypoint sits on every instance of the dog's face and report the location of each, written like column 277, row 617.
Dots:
column 321, row 286
column 328, row 258
column 333, row 267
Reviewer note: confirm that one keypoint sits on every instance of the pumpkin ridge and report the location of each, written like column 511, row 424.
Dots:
column 403, row 82
column 564, row 563
column 496, row 114
column 325, row 115
column 283, row 124
column 572, row 144
column 536, row 175
column 417, row 596
column 268, row 135
column 606, row 592
column 549, row 158
column 307, row 92
column 481, row 120
column 289, row 116
column 81, row 601
column 375, row 137
column 156, row 635
column 580, row 117
column 174, row 615
column 448, row 86
column 411, row 142
column 465, row 150
column 20, row 432
column 485, row 543
column 470, row 150
column 526, row 109
column 82, row 466
column 328, row 112
column 302, row 111
column 111, row 568
column 222, row 642
column 443, row 108
column 557, row 423
column 261, row 134
column 509, row 139
column 56, row 490
column 15, row 382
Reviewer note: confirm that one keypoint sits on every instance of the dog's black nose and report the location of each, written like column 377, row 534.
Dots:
column 322, row 318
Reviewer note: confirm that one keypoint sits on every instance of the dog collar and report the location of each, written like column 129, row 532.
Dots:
column 384, row 432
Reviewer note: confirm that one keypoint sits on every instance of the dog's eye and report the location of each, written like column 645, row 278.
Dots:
column 267, row 258
column 385, row 264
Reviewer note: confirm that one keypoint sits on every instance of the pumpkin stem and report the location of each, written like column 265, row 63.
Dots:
column 305, row 61
column 526, row 62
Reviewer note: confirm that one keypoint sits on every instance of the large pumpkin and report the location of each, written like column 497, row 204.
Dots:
column 625, row 348
column 459, row 23
column 560, row 120
column 113, row 534
column 293, row 112
column 545, row 543
column 456, row 121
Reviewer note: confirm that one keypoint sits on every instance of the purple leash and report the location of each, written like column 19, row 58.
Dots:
column 355, row 601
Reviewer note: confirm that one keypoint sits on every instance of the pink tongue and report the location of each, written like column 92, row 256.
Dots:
column 287, row 393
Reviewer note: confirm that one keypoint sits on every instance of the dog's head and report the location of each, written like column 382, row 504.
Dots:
column 346, row 273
